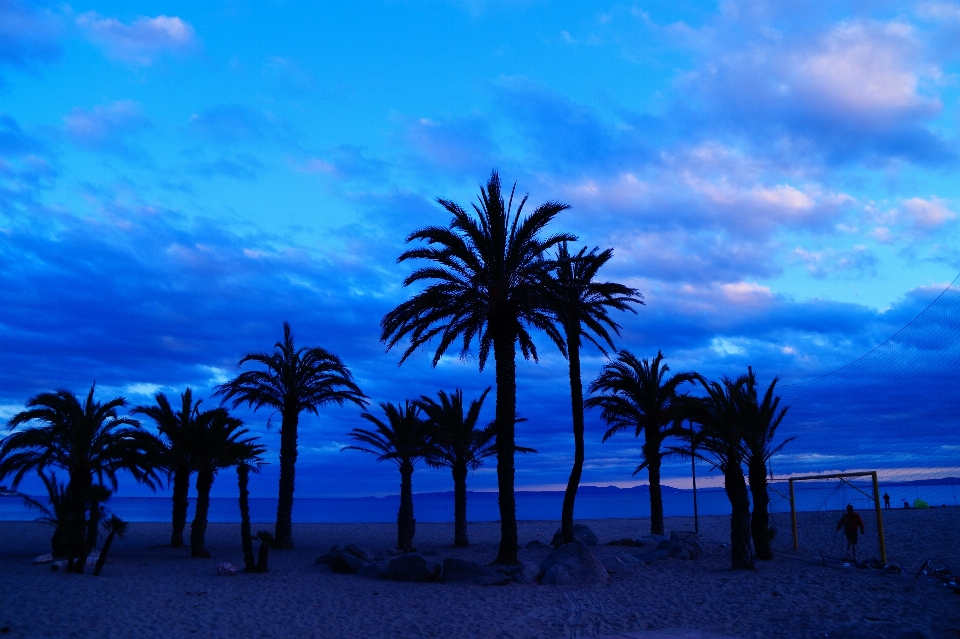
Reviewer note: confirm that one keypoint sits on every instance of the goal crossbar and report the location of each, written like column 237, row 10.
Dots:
column 842, row 477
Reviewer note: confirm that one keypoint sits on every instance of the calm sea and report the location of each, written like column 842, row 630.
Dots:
column 592, row 503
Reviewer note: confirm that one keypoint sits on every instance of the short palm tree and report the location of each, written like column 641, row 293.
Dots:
column 720, row 417
column 485, row 277
column 637, row 395
column 760, row 428
column 218, row 443
column 249, row 460
column 290, row 382
column 56, row 512
column 90, row 441
column 582, row 306
column 115, row 527
column 404, row 439
column 460, row 446
column 174, row 427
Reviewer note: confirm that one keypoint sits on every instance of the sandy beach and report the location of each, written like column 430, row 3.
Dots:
column 148, row 590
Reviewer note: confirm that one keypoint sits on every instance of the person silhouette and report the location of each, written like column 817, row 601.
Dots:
column 886, row 501
column 851, row 523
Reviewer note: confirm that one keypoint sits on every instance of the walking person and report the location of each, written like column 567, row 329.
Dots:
column 851, row 523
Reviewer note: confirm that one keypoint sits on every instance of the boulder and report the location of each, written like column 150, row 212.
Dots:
column 626, row 541
column 536, row 544
column 688, row 544
column 581, row 533
column 375, row 570
column 616, row 565
column 462, row 571
column 572, row 564
column 412, row 567
column 362, row 553
column 226, row 569
column 346, row 563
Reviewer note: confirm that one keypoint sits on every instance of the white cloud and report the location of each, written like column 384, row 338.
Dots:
column 141, row 41
column 927, row 214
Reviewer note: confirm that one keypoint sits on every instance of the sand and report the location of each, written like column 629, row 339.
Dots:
column 148, row 590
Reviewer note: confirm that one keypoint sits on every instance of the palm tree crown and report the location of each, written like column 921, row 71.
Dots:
column 485, row 282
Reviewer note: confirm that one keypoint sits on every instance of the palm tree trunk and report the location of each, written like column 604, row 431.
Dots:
column 198, row 529
column 576, row 403
column 740, row 552
column 460, row 538
column 283, row 533
column 246, row 540
column 79, row 483
column 656, row 491
column 181, row 501
column 760, row 519
column 504, row 352
column 406, row 524
column 90, row 542
column 102, row 559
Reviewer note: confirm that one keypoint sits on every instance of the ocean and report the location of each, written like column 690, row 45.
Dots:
column 592, row 503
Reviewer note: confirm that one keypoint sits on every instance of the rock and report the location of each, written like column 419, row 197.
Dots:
column 375, row 570
column 581, row 533
column 626, row 541
column 362, row 553
column 57, row 565
column 226, row 569
column 616, row 565
column 688, row 543
column 627, row 558
column 393, row 552
column 462, row 571
column 346, row 563
column 536, row 544
column 334, row 549
column 43, row 559
column 412, row 567
column 429, row 553
column 572, row 564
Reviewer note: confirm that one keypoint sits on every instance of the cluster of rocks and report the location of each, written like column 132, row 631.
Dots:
column 568, row 564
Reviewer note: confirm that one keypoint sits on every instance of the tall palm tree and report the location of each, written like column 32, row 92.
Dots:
column 582, row 307
column 760, row 428
column 637, row 395
column 249, row 460
column 217, row 444
column 460, row 446
column 404, row 439
column 291, row 381
column 485, row 278
column 89, row 440
column 718, row 441
column 175, row 436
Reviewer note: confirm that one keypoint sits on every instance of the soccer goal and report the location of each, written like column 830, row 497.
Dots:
column 845, row 478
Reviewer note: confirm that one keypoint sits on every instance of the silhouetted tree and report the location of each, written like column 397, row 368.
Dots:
column 404, row 439
column 292, row 381
column 638, row 396
column 248, row 460
column 174, row 428
column 761, row 420
column 89, row 440
column 485, row 280
column 582, row 306
column 115, row 527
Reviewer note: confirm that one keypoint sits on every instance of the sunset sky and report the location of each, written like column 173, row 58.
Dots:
column 779, row 180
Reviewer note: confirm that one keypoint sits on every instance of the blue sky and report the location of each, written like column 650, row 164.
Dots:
column 177, row 179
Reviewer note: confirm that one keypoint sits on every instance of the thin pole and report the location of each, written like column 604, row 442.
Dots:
column 693, row 470
column 876, row 504
column 793, row 517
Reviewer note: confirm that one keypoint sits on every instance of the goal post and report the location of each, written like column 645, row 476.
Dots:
column 841, row 477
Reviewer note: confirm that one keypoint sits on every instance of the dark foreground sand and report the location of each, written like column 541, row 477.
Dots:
column 148, row 590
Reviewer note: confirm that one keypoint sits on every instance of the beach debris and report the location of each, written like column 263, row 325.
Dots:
column 462, row 571
column 572, row 564
column 536, row 544
column 581, row 532
column 412, row 567
column 226, row 569
column 43, row 559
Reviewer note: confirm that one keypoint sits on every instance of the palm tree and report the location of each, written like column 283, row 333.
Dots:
column 581, row 305
column 292, row 381
column 759, row 431
column 486, row 276
column 460, row 446
column 404, row 439
column 637, row 395
column 89, row 440
column 249, row 458
column 57, row 513
column 216, row 445
column 175, row 433
column 115, row 527
column 720, row 416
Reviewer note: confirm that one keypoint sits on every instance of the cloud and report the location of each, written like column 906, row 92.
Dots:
column 243, row 167
column 106, row 127
column 463, row 146
column 141, row 41
column 346, row 162
column 239, row 124
column 928, row 214
column 28, row 36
